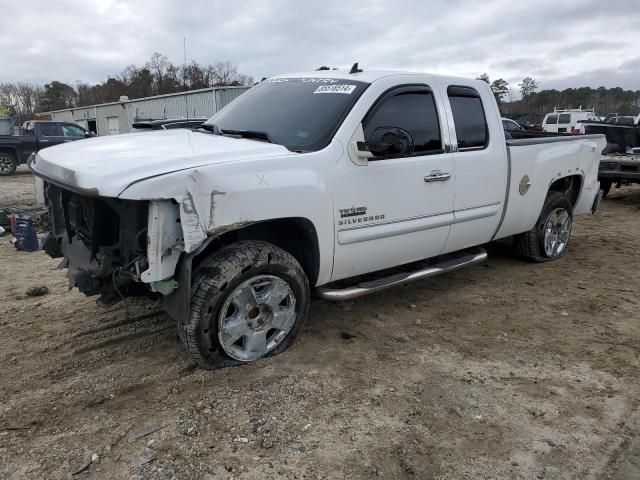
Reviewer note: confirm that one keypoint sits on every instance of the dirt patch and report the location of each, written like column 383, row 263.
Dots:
column 503, row 370
column 17, row 191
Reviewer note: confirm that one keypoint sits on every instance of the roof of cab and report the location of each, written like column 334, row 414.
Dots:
column 368, row 76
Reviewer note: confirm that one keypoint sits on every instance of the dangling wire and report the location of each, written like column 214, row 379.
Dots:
column 115, row 286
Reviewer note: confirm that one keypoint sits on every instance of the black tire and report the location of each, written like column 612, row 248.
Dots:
column 530, row 245
column 8, row 164
column 605, row 186
column 215, row 281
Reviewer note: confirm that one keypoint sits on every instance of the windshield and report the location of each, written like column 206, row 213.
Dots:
column 301, row 114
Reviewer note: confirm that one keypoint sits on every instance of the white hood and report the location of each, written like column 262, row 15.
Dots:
column 108, row 165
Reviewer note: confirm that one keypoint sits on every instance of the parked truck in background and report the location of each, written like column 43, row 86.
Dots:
column 36, row 135
column 619, row 169
column 620, row 163
column 306, row 183
column 567, row 121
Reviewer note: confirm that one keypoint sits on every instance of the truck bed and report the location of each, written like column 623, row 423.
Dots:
column 525, row 134
column 546, row 158
column 622, row 135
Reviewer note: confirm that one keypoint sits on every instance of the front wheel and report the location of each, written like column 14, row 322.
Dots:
column 548, row 239
column 8, row 164
column 249, row 301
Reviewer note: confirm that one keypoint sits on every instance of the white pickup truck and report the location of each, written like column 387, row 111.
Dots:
column 303, row 181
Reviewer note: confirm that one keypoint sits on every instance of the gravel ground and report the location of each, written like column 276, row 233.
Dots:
column 505, row 370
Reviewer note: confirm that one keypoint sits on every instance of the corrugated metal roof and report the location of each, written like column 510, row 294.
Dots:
column 166, row 95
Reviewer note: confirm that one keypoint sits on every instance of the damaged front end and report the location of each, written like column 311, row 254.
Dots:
column 112, row 247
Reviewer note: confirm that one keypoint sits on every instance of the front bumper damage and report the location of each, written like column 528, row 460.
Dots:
column 113, row 247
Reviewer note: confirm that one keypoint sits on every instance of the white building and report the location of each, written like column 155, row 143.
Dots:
column 116, row 117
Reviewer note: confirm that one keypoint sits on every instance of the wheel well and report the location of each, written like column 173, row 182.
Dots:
column 570, row 186
column 296, row 236
column 10, row 150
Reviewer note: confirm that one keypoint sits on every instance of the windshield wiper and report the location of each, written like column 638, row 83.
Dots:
column 248, row 134
column 210, row 128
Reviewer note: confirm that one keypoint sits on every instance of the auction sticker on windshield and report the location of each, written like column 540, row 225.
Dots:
column 348, row 89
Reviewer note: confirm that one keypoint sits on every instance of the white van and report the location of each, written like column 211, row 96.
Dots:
column 566, row 121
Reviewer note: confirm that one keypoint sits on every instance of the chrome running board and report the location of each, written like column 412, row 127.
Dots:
column 365, row 288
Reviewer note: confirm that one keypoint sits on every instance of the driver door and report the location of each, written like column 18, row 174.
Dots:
column 396, row 207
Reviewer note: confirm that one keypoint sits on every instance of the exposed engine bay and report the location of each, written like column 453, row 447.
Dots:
column 103, row 242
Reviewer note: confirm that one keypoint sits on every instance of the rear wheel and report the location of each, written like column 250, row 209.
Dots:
column 548, row 239
column 605, row 185
column 249, row 301
column 8, row 164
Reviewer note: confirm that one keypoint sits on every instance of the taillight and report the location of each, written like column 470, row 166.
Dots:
column 575, row 130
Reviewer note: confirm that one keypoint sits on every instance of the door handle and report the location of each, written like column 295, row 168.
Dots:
column 437, row 176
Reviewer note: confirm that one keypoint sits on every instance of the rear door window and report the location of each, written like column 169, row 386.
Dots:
column 470, row 122
column 564, row 118
column 49, row 130
column 552, row 119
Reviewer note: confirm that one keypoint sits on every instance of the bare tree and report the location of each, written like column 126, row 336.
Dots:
column 23, row 99
column 158, row 66
column 86, row 94
column 194, row 76
column 244, row 79
column 157, row 76
column 139, row 81
column 225, row 73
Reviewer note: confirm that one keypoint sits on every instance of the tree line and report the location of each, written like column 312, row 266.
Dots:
column 533, row 104
column 160, row 76
column 156, row 77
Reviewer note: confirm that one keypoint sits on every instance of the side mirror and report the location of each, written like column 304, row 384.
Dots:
column 388, row 141
column 89, row 134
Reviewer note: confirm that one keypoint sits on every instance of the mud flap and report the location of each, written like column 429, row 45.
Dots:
column 178, row 303
column 596, row 201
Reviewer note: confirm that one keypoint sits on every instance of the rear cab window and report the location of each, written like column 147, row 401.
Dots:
column 472, row 130
column 551, row 120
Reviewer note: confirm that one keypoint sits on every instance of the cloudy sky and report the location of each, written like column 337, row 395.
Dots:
column 561, row 44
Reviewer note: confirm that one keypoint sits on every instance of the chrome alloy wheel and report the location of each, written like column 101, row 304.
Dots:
column 556, row 232
column 6, row 164
column 256, row 317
